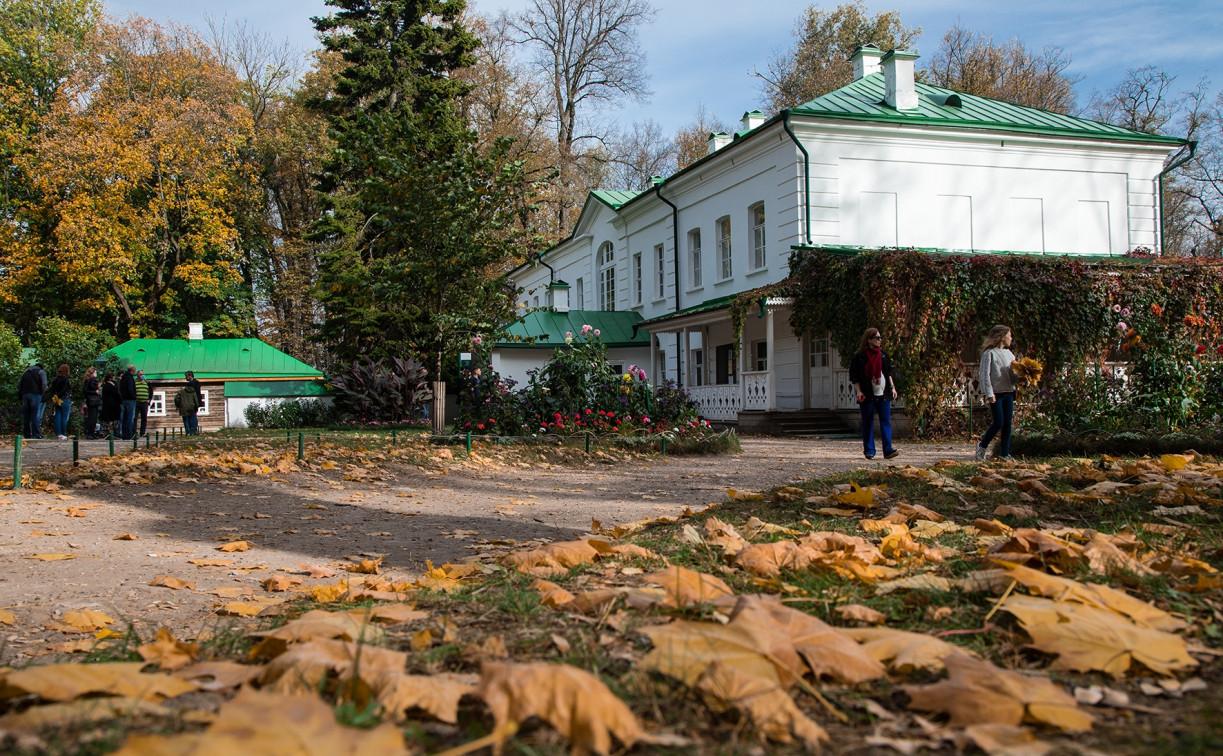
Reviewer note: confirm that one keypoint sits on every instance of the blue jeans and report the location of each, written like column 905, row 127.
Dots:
column 127, row 418
column 883, row 408
column 191, row 424
column 62, row 413
column 29, row 415
column 1002, row 411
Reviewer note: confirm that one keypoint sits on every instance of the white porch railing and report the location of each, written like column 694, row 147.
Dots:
column 717, row 402
column 847, row 392
column 756, row 390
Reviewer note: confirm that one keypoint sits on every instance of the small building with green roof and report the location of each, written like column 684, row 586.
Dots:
column 530, row 341
column 883, row 162
column 233, row 374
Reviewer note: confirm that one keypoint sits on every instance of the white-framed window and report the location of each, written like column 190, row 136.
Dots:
column 760, row 355
column 607, row 277
column 660, row 272
column 579, row 294
column 535, row 302
column 203, row 403
column 698, row 367
column 755, row 219
column 694, row 258
column 157, row 404
column 819, row 353
column 637, row 278
column 726, row 267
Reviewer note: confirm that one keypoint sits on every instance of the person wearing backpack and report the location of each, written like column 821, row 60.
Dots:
column 32, row 386
column 187, row 402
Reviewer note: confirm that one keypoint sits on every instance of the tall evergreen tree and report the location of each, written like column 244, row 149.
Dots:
column 420, row 225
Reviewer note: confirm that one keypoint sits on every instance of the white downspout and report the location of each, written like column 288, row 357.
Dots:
column 771, row 381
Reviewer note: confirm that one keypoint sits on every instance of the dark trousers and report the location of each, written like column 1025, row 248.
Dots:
column 29, row 415
column 127, row 418
column 869, row 409
column 142, row 413
column 1002, row 411
column 91, row 420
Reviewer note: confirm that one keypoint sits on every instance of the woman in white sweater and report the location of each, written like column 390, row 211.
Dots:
column 998, row 385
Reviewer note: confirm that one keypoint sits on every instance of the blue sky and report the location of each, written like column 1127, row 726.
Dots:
column 704, row 51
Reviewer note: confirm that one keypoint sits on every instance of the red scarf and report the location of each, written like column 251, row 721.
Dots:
column 874, row 364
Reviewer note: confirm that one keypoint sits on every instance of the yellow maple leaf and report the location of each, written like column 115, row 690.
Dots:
column 1093, row 594
column 304, row 667
column 562, row 556
column 233, row 546
column 1086, row 638
column 259, row 723
column 87, row 620
column 317, row 624
column 901, row 650
column 439, row 695
column 977, row 692
column 857, row 496
column 685, row 587
column 766, row 704
column 174, row 583
column 65, row 682
column 767, row 560
column 51, row 557
column 167, row 652
column 576, row 703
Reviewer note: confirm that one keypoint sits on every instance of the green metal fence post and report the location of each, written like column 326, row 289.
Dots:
column 664, row 446
column 146, row 441
column 135, row 443
column 588, row 443
column 76, row 450
column 17, row 461
column 111, row 439
column 301, row 445
column 394, row 437
column 469, row 442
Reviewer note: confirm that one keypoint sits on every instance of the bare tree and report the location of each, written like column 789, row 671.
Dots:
column 819, row 61
column 975, row 64
column 266, row 68
column 692, row 140
column 1147, row 100
column 640, row 154
column 588, row 54
column 1143, row 101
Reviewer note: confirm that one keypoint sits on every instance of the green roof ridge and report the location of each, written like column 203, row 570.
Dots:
column 863, row 100
column 215, row 359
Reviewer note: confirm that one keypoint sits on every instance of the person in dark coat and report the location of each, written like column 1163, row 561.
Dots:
column 112, row 405
column 92, row 390
column 127, row 408
column 61, row 402
column 31, row 387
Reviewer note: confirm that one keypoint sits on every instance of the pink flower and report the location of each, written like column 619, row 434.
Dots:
column 1122, row 327
column 586, row 329
column 1116, row 308
column 1125, row 312
column 596, row 332
column 568, row 335
column 477, row 341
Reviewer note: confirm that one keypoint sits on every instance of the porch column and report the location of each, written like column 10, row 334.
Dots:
column 685, row 350
column 771, row 380
column 654, row 359
column 742, row 367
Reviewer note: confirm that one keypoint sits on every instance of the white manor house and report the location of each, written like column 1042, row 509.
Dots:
column 882, row 162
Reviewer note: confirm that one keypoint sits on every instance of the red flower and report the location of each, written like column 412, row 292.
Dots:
column 557, row 415
column 492, row 420
column 1200, row 350
column 480, row 426
column 1219, row 350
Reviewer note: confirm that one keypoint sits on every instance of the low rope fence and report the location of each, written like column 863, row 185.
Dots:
column 112, row 446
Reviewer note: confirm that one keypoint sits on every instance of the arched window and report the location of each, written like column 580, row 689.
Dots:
column 606, row 261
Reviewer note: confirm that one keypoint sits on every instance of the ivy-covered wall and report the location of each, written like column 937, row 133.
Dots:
column 1163, row 317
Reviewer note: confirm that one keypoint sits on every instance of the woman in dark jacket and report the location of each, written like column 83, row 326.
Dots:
column 870, row 370
column 61, row 402
column 111, row 404
column 93, row 402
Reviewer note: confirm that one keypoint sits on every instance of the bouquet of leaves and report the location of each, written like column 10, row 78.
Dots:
column 1027, row 371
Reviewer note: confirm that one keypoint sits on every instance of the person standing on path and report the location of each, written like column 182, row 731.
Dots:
column 870, row 371
column 127, row 393
column 93, row 402
column 187, row 403
column 31, row 387
column 998, row 385
column 199, row 402
column 61, row 402
column 144, row 392
column 112, row 404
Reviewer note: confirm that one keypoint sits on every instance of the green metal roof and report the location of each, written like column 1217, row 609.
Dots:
column 548, row 328
column 211, row 359
column 614, row 198
column 268, row 389
column 709, row 305
column 863, row 100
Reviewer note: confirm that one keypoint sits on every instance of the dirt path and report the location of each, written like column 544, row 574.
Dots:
column 406, row 514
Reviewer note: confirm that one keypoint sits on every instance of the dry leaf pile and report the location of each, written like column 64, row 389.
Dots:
column 1011, row 609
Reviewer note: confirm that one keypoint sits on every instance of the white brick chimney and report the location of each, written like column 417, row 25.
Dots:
column 899, row 90
column 751, row 119
column 558, row 296
column 866, row 60
column 717, row 141
column 195, row 331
